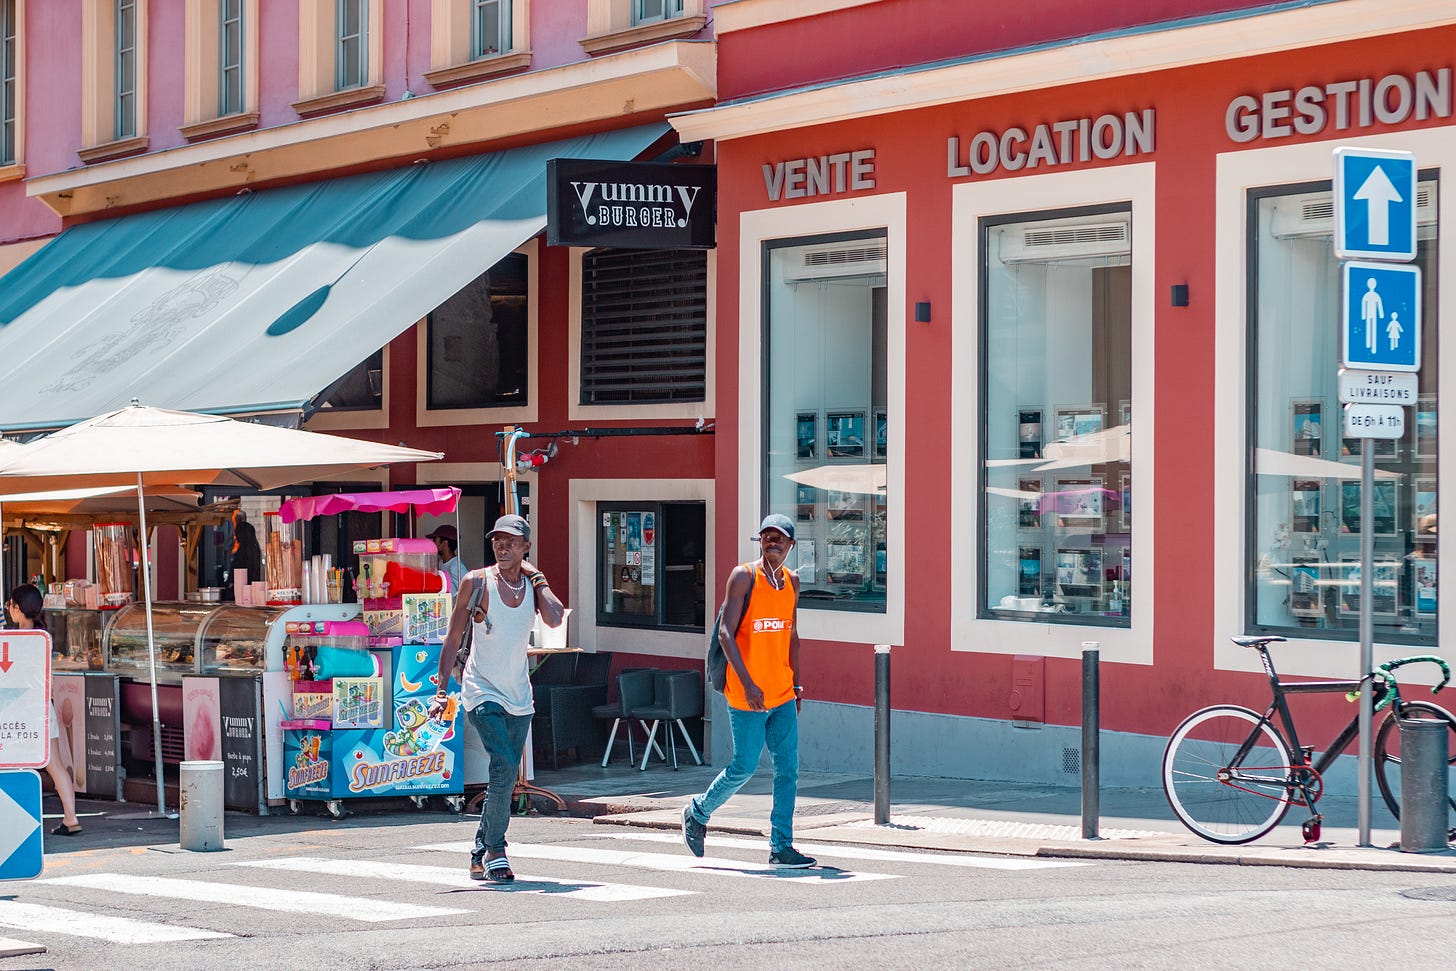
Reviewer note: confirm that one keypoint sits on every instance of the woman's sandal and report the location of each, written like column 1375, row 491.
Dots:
column 64, row 830
column 499, row 870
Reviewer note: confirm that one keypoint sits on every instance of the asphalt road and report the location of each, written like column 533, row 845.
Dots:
column 392, row 892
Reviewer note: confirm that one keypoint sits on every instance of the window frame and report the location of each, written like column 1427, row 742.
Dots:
column 239, row 26
column 428, row 324
column 125, row 98
column 503, row 28
column 671, row 9
column 1331, row 423
column 658, row 507
column 427, row 417
column 11, row 91
column 360, row 39
column 985, row 225
column 887, row 212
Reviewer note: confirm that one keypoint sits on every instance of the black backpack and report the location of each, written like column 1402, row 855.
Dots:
column 717, row 659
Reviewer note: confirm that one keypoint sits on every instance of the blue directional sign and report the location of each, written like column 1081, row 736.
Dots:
column 20, row 842
column 1375, row 204
column 1382, row 316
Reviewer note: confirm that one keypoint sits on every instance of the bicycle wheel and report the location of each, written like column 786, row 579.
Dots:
column 1220, row 802
column 1387, row 752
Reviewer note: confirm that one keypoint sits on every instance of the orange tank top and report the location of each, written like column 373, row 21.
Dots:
column 763, row 640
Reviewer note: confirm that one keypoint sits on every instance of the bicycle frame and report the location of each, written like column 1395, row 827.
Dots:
column 1279, row 706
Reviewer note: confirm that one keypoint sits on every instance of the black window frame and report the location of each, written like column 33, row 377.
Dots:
column 658, row 620
column 527, row 377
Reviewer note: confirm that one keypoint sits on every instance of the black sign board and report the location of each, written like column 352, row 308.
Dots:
column 636, row 205
column 103, row 729
column 238, row 705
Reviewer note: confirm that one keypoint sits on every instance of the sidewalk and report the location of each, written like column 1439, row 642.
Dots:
column 957, row 815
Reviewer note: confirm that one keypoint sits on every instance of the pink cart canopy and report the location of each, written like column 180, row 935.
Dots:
column 428, row 502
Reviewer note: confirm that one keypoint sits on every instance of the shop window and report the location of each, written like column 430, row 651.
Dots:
column 362, row 389
column 650, row 564
column 825, row 413
column 1056, row 338
column 644, row 326
column 1305, row 528
column 478, row 341
column 9, row 84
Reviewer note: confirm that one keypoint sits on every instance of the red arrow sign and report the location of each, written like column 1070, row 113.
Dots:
column 5, row 661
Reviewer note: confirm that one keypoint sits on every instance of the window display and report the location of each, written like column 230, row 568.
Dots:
column 1057, row 362
column 825, row 363
column 1305, row 523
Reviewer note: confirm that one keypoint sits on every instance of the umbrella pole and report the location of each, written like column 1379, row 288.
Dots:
column 151, row 649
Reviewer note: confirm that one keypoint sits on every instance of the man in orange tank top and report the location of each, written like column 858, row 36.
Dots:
column 763, row 691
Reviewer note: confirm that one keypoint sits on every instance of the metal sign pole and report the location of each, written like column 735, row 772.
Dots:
column 1367, row 627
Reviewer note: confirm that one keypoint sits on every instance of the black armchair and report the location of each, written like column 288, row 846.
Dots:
column 679, row 695
column 564, row 704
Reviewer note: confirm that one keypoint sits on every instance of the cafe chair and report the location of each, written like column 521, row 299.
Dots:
column 678, row 695
column 634, row 690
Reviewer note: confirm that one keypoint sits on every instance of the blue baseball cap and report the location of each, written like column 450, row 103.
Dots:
column 779, row 522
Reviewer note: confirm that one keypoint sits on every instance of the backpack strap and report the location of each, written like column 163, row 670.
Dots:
column 752, row 579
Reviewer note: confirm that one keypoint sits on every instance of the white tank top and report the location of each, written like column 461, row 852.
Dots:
column 498, row 669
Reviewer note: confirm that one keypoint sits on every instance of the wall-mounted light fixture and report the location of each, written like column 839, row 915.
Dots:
column 922, row 311
column 1180, row 294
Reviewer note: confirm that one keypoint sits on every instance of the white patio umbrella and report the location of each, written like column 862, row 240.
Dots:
column 139, row 447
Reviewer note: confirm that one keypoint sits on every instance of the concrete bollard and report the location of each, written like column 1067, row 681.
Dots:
column 1425, row 815
column 199, row 807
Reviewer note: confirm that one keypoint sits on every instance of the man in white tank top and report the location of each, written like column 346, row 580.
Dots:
column 496, row 686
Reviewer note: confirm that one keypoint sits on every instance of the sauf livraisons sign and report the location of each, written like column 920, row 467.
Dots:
column 637, row 205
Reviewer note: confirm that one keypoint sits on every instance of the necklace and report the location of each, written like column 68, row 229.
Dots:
column 775, row 577
column 517, row 589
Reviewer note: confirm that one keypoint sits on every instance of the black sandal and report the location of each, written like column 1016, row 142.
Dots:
column 499, row 870
column 64, row 830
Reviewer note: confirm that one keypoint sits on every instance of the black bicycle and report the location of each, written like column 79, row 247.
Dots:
column 1230, row 774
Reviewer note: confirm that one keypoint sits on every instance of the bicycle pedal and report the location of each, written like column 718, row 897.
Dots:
column 1311, row 829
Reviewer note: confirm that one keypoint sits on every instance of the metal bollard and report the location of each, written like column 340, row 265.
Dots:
column 199, row 807
column 882, row 734
column 1424, row 811
column 1091, row 739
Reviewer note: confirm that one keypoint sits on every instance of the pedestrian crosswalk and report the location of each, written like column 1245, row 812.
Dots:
column 674, row 863
column 602, row 866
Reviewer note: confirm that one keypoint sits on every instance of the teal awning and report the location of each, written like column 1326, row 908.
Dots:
column 259, row 301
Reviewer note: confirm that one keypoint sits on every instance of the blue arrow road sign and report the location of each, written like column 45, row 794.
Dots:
column 1382, row 316
column 1375, row 204
column 20, row 846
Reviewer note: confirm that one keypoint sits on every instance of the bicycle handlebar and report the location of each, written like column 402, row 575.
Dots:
column 1389, row 666
column 1392, row 692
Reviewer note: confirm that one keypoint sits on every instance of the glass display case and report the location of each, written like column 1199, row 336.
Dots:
column 174, row 630
column 76, row 638
column 232, row 639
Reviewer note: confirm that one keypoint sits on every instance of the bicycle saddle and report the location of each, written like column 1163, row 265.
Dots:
column 1258, row 641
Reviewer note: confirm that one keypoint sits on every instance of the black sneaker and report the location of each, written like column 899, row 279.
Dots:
column 693, row 831
column 789, row 858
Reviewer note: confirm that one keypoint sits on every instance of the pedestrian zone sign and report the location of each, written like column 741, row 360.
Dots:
column 20, row 829
column 25, row 699
column 1381, row 316
column 1375, row 204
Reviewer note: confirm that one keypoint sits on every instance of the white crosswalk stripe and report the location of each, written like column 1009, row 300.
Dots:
column 842, row 851
column 674, row 862
column 263, row 898
column 454, row 877
column 39, row 918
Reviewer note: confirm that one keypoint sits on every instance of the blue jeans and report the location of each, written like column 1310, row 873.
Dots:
column 779, row 729
column 504, row 736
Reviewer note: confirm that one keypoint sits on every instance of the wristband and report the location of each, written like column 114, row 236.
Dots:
column 539, row 580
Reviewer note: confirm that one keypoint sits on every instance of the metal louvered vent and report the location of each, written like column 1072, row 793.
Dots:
column 1077, row 235
column 644, row 326
column 873, row 253
column 1318, row 208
